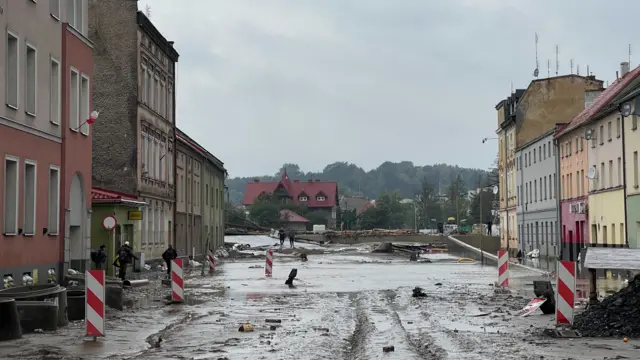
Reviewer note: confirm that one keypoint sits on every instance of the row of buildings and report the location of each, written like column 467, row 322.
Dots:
column 568, row 165
column 66, row 175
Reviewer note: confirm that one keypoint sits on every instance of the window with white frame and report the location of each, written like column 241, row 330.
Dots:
column 152, row 157
column 163, row 99
column 170, row 166
column 12, row 66
column 170, row 103
column 54, row 200
column 143, row 84
column 303, row 198
column 11, row 187
column 143, row 152
column 31, row 80
column 54, row 92
column 85, row 101
column 30, row 176
column 320, row 198
column 75, row 15
column 156, row 89
column 156, row 158
column 54, row 8
column 74, row 98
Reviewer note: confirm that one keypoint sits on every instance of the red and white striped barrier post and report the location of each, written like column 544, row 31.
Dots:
column 94, row 307
column 268, row 270
column 212, row 261
column 177, row 281
column 503, row 268
column 565, row 292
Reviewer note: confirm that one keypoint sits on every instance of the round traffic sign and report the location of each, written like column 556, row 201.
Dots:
column 109, row 222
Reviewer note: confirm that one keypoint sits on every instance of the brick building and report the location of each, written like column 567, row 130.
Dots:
column 133, row 147
column 45, row 147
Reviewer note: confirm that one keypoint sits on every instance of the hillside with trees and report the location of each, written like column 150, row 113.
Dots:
column 438, row 192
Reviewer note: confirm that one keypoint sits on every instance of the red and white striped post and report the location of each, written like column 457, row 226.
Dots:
column 565, row 292
column 94, row 307
column 268, row 270
column 503, row 268
column 177, row 281
column 212, row 261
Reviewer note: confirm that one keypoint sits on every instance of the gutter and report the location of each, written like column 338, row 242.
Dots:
column 131, row 203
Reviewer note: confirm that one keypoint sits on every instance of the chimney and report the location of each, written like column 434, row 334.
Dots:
column 624, row 68
column 171, row 43
column 256, row 180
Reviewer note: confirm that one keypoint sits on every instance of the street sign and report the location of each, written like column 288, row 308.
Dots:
column 109, row 222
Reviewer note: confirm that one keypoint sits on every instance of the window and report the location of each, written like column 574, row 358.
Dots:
column 11, row 178
column 30, row 176
column 302, row 198
column 156, row 94
column 143, row 85
column 150, row 87
column 534, row 156
column 540, row 189
column 54, row 8
column 526, row 193
column 634, row 122
column 563, row 190
column 540, row 153
column 143, row 151
column 535, row 190
column 545, row 188
column 554, row 188
column 163, row 100
column 75, row 12
column 544, row 150
column 85, row 102
column 620, row 180
column 54, row 92
column 613, row 233
column 635, row 169
column 320, row 198
column 577, row 144
column 602, row 178
column 54, row 200
column 31, row 80
column 584, row 191
column 571, row 185
column 206, row 195
column 604, row 235
column 601, row 134
column 163, row 159
column 156, row 158
column 170, row 103
column 171, row 166
column 618, row 127
column 13, row 69
column 578, row 184
column 609, row 130
column 74, row 97
column 611, row 184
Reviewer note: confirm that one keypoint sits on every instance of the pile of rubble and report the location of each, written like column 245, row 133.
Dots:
column 368, row 233
column 616, row 315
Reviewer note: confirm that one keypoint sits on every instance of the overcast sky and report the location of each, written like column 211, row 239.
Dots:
column 261, row 83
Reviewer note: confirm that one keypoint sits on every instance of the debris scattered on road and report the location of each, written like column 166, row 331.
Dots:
column 246, row 328
column 417, row 292
column 616, row 315
column 384, row 248
column 389, row 348
column 273, row 321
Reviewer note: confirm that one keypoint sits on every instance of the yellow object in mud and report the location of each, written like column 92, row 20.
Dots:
column 246, row 328
column 461, row 260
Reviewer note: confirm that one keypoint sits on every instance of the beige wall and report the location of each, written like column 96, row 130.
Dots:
column 605, row 153
column 632, row 149
column 574, row 164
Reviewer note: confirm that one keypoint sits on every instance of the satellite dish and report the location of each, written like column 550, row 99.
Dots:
column 626, row 109
column 591, row 174
column 495, row 190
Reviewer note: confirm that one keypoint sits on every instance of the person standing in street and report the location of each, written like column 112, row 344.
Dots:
column 282, row 236
column 125, row 257
column 292, row 237
column 169, row 255
column 99, row 257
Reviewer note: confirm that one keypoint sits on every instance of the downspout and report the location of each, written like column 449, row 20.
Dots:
column 519, row 166
column 175, row 159
column 64, row 121
column 624, row 181
column 556, row 151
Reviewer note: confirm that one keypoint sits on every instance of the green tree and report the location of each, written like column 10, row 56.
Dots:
column 372, row 218
column 428, row 205
column 265, row 211
column 349, row 219
column 482, row 200
column 234, row 215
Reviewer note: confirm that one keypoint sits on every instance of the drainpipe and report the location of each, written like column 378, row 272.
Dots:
column 624, row 178
column 521, row 197
column 506, row 198
column 557, row 194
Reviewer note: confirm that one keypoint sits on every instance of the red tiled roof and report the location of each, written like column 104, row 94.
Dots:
column 601, row 101
column 290, row 216
column 101, row 194
column 310, row 189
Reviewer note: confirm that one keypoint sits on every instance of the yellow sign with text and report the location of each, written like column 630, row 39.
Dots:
column 135, row 215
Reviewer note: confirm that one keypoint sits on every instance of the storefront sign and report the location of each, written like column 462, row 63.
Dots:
column 135, row 215
column 578, row 208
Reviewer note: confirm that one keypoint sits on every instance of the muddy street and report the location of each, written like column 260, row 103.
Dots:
column 348, row 304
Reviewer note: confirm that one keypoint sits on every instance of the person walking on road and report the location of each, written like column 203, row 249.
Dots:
column 292, row 237
column 125, row 257
column 282, row 236
column 169, row 255
column 99, row 257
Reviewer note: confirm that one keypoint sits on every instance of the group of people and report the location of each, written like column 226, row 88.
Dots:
column 125, row 257
column 290, row 234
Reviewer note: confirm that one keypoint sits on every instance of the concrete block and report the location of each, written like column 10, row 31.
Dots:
column 10, row 328
column 38, row 315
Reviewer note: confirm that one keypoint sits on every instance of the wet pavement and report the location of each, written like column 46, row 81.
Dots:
column 348, row 304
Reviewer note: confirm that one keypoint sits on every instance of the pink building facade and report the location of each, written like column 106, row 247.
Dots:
column 573, row 187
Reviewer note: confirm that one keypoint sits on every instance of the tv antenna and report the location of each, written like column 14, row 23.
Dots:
column 629, row 55
column 588, row 73
column 557, row 61
column 536, row 72
column 578, row 69
column 571, row 65
column 548, row 68
column 147, row 11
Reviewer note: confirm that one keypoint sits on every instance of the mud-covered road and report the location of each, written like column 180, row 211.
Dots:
column 348, row 304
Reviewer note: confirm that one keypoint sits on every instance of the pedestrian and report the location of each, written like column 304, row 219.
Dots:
column 169, row 255
column 125, row 257
column 519, row 256
column 282, row 236
column 292, row 237
column 99, row 257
